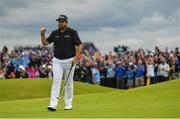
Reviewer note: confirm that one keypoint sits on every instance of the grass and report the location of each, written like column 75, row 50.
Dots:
column 39, row 88
column 29, row 98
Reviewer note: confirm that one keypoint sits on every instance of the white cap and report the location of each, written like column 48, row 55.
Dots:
column 22, row 67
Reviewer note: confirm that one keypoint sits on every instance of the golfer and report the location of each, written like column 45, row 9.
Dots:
column 67, row 51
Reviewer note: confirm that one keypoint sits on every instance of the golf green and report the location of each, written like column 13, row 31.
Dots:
column 29, row 98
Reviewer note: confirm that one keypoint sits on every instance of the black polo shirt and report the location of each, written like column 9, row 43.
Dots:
column 64, row 43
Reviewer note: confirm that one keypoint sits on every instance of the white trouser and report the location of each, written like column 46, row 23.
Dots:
column 61, row 70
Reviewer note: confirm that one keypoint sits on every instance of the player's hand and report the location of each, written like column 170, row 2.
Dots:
column 43, row 30
column 75, row 61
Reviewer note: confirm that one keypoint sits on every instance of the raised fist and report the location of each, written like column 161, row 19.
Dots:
column 43, row 30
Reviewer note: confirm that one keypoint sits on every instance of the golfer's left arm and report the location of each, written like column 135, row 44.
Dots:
column 78, row 54
column 79, row 47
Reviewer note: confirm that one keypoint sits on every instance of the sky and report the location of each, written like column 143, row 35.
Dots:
column 106, row 23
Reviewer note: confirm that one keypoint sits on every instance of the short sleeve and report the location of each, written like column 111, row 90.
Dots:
column 76, row 38
column 50, row 38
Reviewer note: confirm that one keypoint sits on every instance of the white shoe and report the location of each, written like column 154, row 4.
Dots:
column 68, row 108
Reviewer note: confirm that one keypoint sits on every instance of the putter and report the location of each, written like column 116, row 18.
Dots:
column 62, row 92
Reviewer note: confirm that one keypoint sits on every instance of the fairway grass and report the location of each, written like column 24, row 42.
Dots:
column 29, row 98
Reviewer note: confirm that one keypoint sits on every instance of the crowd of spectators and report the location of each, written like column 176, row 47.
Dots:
column 26, row 62
column 123, row 70
column 128, row 69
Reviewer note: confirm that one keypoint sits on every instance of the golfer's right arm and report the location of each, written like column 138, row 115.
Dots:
column 43, row 37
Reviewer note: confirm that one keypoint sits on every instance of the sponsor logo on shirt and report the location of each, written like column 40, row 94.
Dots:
column 67, row 36
column 57, row 36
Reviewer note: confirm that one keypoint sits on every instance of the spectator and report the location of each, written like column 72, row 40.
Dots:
column 43, row 71
column 94, row 71
column 103, row 73
column 17, row 61
column 120, row 72
column 172, row 65
column 82, row 74
column 156, row 63
column 98, row 77
column 95, row 75
column 111, row 74
column 130, row 76
column 163, row 71
column 77, row 76
column 177, row 65
column 32, row 72
column 110, row 71
column 150, row 71
column 2, row 74
column 10, row 71
column 11, row 75
column 22, row 72
column 139, row 70
column 88, row 73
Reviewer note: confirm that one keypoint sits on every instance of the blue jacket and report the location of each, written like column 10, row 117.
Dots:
column 120, row 72
column 130, row 74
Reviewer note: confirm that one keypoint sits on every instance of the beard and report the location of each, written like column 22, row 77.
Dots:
column 62, row 28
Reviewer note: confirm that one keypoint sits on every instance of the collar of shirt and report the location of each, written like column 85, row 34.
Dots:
column 64, row 30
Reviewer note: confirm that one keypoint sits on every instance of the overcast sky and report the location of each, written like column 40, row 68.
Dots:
column 107, row 23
